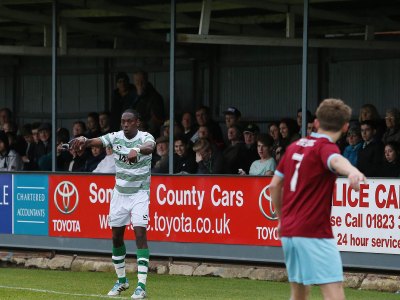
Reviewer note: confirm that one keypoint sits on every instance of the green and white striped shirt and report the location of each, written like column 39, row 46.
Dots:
column 130, row 176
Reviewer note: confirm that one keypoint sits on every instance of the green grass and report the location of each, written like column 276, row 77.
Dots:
column 16, row 283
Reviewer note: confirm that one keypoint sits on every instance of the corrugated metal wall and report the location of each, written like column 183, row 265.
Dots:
column 263, row 82
column 367, row 81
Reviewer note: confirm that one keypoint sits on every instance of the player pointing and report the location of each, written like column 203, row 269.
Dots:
column 301, row 191
column 132, row 150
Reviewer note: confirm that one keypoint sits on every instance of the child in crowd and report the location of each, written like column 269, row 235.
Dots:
column 355, row 143
column 266, row 164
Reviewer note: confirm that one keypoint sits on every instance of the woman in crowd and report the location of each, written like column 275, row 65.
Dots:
column 184, row 158
column 368, row 112
column 273, row 129
column 391, row 163
column 392, row 133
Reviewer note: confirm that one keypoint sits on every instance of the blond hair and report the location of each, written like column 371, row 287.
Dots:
column 332, row 114
column 202, row 144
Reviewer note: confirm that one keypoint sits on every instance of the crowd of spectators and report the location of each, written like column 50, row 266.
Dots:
column 201, row 145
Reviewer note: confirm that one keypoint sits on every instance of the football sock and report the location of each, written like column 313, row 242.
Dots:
column 118, row 259
column 143, row 266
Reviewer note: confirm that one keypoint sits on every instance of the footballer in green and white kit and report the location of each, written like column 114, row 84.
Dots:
column 132, row 151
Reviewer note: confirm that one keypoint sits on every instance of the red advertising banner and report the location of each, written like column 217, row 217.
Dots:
column 220, row 210
column 216, row 210
column 79, row 204
column 224, row 210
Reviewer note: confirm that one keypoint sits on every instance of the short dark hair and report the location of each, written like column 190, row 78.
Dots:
column 369, row 123
column 265, row 139
column 133, row 112
column 123, row 76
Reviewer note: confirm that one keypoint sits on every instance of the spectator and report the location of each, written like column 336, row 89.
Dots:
column 236, row 153
column 44, row 147
column 78, row 162
column 98, row 154
column 123, row 97
column 273, row 129
column 289, row 131
column 161, row 163
column 35, row 132
column 104, row 122
column 203, row 118
column 391, row 163
column 149, row 103
column 299, row 118
column 178, row 130
column 78, row 129
column 370, row 155
column 266, row 164
column 28, row 158
column 10, row 126
column 16, row 142
column 232, row 117
column 310, row 125
column 63, row 155
column 392, row 133
column 107, row 165
column 184, row 158
column 9, row 159
column 189, row 129
column 92, row 125
column 250, row 134
column 5, row 116
column 368, row 112
column 209, row 159
column 355, row 144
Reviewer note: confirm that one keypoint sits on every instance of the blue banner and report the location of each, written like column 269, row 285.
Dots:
column 6, row 203
column 31, row 213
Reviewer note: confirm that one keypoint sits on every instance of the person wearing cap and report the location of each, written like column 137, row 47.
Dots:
column 250, row 134
column 232, row 117
column 355, row 143
column 9, row 159
column 161, row 161
column 123, row 97
column 235, row 154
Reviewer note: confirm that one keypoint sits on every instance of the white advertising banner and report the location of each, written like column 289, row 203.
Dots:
column 368, row 220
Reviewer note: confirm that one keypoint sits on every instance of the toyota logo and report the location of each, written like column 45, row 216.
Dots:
column 265, row 200
column 66, row 197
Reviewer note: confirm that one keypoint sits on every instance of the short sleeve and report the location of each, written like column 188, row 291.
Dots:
column 327, row 151
column 108, row 139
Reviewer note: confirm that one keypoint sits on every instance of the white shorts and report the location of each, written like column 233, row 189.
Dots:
column 126, row 209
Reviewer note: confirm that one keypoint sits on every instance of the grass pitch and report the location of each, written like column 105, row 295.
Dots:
column 35, row 284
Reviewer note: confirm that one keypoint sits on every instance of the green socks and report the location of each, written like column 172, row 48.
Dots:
column 118, row 259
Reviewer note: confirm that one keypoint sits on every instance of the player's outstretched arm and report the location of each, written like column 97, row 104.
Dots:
column 83, row 142
column 343, row 167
